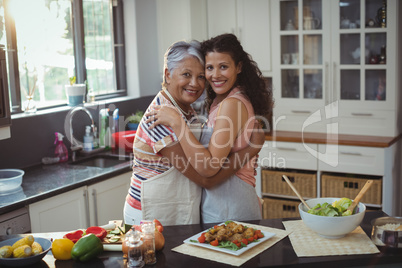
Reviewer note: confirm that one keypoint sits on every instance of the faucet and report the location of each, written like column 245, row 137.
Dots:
column 75, row 147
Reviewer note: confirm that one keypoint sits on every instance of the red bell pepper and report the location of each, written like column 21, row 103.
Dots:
column 98, row 231
column 74, row 236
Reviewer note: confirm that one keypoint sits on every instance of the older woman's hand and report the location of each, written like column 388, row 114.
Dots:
column 163, row 115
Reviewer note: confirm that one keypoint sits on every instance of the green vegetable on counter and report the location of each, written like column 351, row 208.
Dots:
column 87, row 248
column 336, row 209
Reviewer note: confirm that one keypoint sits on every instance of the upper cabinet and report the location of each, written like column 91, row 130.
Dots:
column 336, row 66
column 203, row 19
column 249, row 21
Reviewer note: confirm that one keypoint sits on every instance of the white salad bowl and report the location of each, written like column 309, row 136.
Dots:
column 331, row 227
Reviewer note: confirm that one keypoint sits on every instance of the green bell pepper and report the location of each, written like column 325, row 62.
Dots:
column 86, row 248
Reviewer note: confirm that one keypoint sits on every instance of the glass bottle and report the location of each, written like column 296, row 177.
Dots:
column 29, row 106
column 134, row 255
column 148, row 238
column 383, row 55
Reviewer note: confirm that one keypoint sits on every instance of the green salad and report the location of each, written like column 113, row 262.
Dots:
column 336, row 209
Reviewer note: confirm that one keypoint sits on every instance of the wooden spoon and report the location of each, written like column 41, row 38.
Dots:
column 294, row 190
column 360, row 195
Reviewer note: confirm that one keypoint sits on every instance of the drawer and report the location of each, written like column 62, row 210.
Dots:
column 289, row 155
column 343, row 185
column 293, row 117
column 273, row 183
column 279, row 208
column 376, row 123
column 351, row 159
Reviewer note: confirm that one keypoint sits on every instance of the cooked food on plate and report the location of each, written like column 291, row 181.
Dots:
column 230, row 235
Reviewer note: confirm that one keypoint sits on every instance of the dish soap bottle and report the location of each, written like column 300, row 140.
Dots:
column 88, row 139
column 61, row 149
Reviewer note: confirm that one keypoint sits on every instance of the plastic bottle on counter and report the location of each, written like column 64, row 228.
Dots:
column 88, row 139
column 61, row 150
column 103, row 123
column 115, row 126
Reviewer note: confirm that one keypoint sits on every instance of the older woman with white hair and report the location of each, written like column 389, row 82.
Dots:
column 164, row 185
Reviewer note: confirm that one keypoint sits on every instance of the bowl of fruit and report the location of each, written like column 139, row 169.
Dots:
column 330, row 217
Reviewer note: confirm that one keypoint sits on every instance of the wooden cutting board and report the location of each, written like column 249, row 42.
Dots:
column 115, row 246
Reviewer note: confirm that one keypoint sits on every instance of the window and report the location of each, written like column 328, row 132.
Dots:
column 48, row 41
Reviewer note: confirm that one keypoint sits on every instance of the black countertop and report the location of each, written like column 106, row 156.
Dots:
column 44, row 181
column 280, row 255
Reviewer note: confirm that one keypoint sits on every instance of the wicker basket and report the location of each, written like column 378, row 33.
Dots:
column 273, row 183
column 342, row 186
column 279, row 208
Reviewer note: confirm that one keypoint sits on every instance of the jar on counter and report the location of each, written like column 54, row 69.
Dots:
column 134, row 254
column 148, row 238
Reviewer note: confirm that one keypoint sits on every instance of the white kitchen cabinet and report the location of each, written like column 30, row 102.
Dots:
column 288, row 155
column 106, row 199
column 343, row 161
column 332, row 71
column 82, row 207
column 179, row 20
column 249, row 21
column 64, row 212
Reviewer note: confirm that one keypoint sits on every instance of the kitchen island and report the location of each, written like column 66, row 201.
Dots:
column 279, row 255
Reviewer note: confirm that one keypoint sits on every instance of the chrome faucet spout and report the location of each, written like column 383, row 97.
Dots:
column 75, row 146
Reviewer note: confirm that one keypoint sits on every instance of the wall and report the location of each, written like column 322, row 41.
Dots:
column 32, row 137
column 147, row 47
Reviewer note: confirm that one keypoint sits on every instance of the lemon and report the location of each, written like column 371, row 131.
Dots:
column 61, row 248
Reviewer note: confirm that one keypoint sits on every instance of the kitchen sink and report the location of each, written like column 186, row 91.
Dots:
column 103, row 161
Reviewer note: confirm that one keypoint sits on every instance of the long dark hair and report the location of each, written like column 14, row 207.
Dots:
column 250, row 80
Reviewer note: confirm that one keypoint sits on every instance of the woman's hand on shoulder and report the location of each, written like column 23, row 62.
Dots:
column 163, row 115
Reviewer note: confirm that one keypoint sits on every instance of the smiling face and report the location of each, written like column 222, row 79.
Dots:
column 186, row 82
column 221, row 72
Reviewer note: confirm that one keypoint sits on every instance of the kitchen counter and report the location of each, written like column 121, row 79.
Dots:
column 44, row 181
column 281, row 254
column 340, row 139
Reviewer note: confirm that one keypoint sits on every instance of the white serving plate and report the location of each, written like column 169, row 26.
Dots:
column 267, row 235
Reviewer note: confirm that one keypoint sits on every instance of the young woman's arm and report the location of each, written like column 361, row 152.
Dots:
column 234, row 162
column 230, row 120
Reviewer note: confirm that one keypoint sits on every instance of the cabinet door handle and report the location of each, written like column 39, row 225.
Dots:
column 301, row 112
column 334, row 91
column 362, row 114
column 327, row 91
column 351, row 153
column 95, row 206
column 86, row 207
column 286, row 149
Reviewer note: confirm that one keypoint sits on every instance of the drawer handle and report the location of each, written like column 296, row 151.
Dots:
column 351, row 153
column 350, row 185
column 95, row 206
column 288, row 208
column 362, row 114
column 87, row 207
column 286, row 149
column 300, row 112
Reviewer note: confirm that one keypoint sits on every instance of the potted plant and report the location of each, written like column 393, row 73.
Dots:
column 134, row 120
column 75, row 92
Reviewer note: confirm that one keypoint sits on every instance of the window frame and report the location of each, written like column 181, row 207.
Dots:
column 77, row 19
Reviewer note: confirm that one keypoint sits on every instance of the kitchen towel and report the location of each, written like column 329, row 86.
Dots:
column 305, row 241
column 231, row 259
